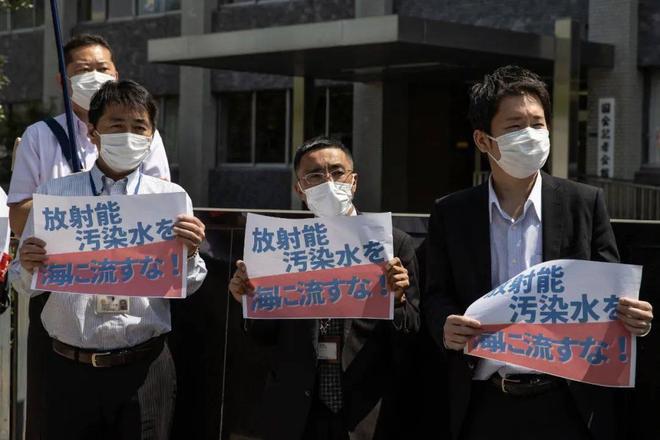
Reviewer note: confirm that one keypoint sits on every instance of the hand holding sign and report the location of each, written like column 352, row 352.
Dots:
column 635, row 315
column 397, row 279
column 240, row 283
column 33, row 253
column 190, row 231
column 458, row 330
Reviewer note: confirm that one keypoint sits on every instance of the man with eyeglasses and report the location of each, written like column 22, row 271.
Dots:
column 359, row 395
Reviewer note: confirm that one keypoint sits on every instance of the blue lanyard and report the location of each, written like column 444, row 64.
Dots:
column 98, row 193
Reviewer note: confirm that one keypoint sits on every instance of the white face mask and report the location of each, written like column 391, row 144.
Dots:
column 523, row 152
column 85, row 85
column 330, row 198
column 124, row 151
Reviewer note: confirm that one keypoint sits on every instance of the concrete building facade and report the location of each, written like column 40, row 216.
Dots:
column 393, row 85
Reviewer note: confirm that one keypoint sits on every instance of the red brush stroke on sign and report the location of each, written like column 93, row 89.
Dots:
column 375, row 306
column 169, row 285
column 613, row 372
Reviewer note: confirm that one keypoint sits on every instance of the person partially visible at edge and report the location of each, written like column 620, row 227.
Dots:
column 483, row 236
column 108, row 372
column 352, row 393
column 39, row 158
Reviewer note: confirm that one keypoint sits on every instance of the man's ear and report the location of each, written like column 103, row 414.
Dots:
column 485, row 144
column 58, row 78
column 93, row 135
column 355, row 179
column 299, row 191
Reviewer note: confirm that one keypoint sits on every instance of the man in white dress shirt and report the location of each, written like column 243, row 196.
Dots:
column 110, row 374
column 39, row 157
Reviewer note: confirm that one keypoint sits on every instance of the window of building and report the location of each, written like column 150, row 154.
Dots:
column 144, row 7
column 168, row 126
column 333, row 113
column 23, row 18
column 121, row 8
column 254, row 127
column 100, row 10
column 92, row 10
column 246, row 2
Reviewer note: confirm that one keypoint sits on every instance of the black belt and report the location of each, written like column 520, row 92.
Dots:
column 111, row 358
column 525, row 384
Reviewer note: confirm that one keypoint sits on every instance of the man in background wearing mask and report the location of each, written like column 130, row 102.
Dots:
column 109, row 371
column 483, row 236
column 356, row 396
column 39, row 158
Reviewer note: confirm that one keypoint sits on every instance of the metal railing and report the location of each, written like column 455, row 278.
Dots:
column 624, row 200
column 627, row 200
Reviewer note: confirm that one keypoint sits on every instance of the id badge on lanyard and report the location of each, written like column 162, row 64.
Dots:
column 329, row 347
column 112, row 305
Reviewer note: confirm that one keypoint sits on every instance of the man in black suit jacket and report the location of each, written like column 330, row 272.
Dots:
column 307, row 397
column 480, row 237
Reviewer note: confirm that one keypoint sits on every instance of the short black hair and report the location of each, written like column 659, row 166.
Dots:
column 318, row 143
column 486, row 95
column 83, row 40
column 125, row 92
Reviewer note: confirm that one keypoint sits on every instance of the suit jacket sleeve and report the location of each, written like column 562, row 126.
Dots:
column 406, row 317
column 439, row 301
column 603, row 243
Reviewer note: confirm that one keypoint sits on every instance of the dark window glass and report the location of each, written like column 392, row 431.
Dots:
column 4, row 17
column 172, row 5
column 239, row 126
column 91, row 10
column 39, row 12
column 341, row 115
column 149, row 6
column 84, row 10
column 120, row 8
column 271, row 126
column 319, row 111
column 22, row 18
column 169, row 126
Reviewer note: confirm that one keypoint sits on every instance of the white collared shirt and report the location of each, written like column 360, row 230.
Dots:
column 39, row 158
column 515, row 245
column 71, row 318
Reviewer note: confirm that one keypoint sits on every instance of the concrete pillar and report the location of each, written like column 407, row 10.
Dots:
column 650, row 171
column 52, row 91
column 197, row 110
column 566, row 88
column 616, row 22
column 301, row 123
column 368, row 144
column 654, row 121
column 368, row 103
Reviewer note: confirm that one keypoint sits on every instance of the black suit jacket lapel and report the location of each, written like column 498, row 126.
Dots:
column 553, row 217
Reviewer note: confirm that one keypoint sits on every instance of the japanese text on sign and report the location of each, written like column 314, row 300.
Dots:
column 559, row 317
column 317, row 267
column 123, row 245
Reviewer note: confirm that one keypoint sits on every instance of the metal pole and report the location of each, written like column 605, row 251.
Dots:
column 75, row 160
